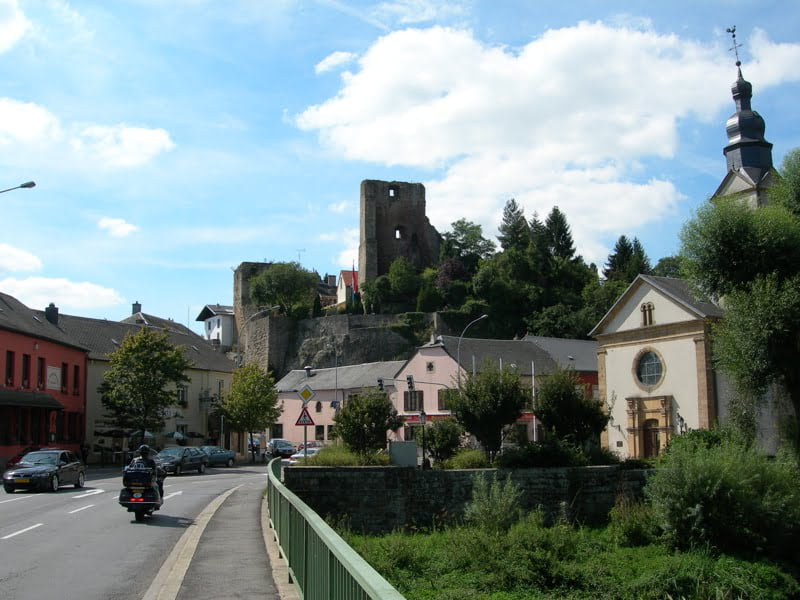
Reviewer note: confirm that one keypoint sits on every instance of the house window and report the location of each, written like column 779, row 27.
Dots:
column 649, row 369
column 64, row 377
column 40, row 371
column 330, row 432
column 319, row 432
column 647, row 314
column 76, row 378
column 430, row 367
column 276, row 430
column 443, row 400
column 181, row 399
column 26, row 370
column 9, row 368
column 410, row 432
column 413, row 401
column 318, row 407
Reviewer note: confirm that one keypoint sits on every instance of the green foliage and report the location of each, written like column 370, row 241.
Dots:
column 566, row 408
column 466, row 243
column 341, row 456
column 727, row 495
column 252, row 403
column 514, row 229
column 669, row 266
column 552, row 452
column 489, row 399
column 633, row 523
column 559, row 235
column 495, row 504
column 285, row 284
column 626, row 261
column 534, row 562
column 786, row 191
column 141, row 379
column 403, row 278
column 363, row 421
column 468, row 458
column 443, row 438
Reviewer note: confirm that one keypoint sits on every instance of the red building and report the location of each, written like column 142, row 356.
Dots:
column 43, row 385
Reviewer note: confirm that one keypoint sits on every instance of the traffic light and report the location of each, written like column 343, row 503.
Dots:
column 380, row 383
column 410, row 381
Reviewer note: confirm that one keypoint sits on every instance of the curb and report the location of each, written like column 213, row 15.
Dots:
column 280, row 568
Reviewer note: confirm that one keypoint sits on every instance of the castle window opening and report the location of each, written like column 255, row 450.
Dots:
column 392, row 192
column 399, row 232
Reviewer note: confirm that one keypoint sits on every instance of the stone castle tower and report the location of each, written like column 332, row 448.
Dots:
column 393, row 223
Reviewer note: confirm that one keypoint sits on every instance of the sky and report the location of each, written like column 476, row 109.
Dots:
column 172, row 141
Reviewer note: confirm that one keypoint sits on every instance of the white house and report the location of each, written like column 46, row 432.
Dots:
column 219, row 327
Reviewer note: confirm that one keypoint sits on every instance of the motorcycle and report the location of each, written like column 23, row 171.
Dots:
column 141, row 492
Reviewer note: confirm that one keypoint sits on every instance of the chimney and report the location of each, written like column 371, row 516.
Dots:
column 51, row 313
column 308, row 371
column 136, row 308
column 332, row 280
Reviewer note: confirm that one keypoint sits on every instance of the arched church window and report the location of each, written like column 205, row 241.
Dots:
column 647, row 314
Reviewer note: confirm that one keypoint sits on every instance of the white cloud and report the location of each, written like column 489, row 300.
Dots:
column 350, row 252
column 546, row 124
column 116, row 227
column 417, row 11
column 14, row 259
column 334, row 60
column 27, row 124
column 121, row 145
column 38, row 292
column 13, row 24
column 340, row 207
column 328, row 237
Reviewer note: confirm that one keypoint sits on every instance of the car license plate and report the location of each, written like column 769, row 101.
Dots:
column 137, row 495
column 22, row 480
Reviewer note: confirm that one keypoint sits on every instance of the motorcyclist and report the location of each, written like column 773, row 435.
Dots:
column 145, row 457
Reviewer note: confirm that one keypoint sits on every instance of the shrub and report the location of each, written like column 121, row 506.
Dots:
column 729, row 496
column 633, row 523
column 340, row 456
column 551, row 452
column 468, row 459
column 495, row 504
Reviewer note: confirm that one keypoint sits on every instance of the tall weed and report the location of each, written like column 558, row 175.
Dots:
column 495, row 504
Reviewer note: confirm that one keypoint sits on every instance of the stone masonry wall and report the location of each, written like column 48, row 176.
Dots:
column 382, row 499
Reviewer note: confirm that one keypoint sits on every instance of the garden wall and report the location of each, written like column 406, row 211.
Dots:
column 382, row 499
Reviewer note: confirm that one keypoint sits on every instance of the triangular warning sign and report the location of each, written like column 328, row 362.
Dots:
column 304, row 418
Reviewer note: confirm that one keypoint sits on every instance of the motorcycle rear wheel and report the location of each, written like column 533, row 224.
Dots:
column 139, row 514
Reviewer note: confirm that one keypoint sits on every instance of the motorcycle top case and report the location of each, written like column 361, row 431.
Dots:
column 138, row 478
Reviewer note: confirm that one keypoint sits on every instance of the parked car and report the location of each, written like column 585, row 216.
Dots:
column 45, row 470
column 299, row 456
column 279, row 447
column 177, row 459
column 311, row 444
column 219, row 456
column 17, row 457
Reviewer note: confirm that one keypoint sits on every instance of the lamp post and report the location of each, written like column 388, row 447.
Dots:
column 26, row 185
column 246, row 323
column 458, row 351
column 422, row 424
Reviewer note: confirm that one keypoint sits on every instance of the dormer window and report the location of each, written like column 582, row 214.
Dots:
column 647, row 314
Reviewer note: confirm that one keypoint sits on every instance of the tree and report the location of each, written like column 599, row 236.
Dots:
column 466, row 242
column 403, row 278
column 514, row 229
column 567, row 409
column 626, row 261
column 284, row 284
column 140, row 383
column 668, row 266
column 786, row 192
column 559, row 234
column 363, row 421
column 443, row 438
column 488, row 401
column 252, row 403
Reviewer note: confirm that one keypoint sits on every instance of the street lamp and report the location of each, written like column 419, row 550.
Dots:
column 422, row 423
column 27, row 184
column 458, row 352
column 244, row 327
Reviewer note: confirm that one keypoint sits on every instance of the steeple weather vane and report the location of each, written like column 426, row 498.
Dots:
column 735, row 47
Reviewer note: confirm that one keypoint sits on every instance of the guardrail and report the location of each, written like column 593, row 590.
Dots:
column 322, row 565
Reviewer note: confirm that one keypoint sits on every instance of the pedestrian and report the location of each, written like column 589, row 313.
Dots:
column 85, row 453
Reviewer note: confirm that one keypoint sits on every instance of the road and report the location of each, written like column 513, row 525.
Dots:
column 81, row 544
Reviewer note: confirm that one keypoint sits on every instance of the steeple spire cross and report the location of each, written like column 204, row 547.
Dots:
column 735, row 47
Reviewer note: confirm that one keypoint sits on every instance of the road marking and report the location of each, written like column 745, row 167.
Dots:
column 14, row 499
column 81, row 508
column 89, row 493
column 168, row 496
column 10, row 535
column 168, row 582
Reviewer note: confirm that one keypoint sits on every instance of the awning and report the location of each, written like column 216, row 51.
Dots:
column 29, row 399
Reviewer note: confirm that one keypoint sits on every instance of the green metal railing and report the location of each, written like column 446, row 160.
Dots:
column 321, row 564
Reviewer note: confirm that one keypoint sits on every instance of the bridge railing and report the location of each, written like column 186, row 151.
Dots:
column 321, row 564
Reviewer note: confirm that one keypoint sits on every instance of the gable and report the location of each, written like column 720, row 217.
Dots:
column 628, row 314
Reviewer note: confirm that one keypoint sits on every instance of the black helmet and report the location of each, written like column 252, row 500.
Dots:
column 144, row 450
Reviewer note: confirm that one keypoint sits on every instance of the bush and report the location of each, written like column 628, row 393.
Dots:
column 340, row 456
column 495, row 504
column 551, row 452
column 468, row 459
column 633, row 523
column 729, row 496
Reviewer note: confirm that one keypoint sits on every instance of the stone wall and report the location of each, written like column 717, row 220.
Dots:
column 382, row 499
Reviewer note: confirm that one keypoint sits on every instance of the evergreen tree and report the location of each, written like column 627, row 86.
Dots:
column 559, row 235
column 618, row 260
column 514, row 230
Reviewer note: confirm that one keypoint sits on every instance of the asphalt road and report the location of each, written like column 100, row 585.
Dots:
column 81, row 544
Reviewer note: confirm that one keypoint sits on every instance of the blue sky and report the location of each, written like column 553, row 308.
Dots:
column 170, row 141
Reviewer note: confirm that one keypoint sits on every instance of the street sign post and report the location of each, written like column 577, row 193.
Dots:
column 305, row 420
column 306, row 394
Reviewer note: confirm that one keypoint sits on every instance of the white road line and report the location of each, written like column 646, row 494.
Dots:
column 89, row 493
column 81, row 508
column 10, row 535
column 168, row 496
column 14, row 499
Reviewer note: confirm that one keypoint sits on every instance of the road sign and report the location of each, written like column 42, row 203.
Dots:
column 306, row 394
column 304, row 418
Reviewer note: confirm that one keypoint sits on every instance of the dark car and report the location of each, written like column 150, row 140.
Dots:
column 12, row 462
column 45, row 470
column 219, row 456
column 279, row 447
column 177, row 459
